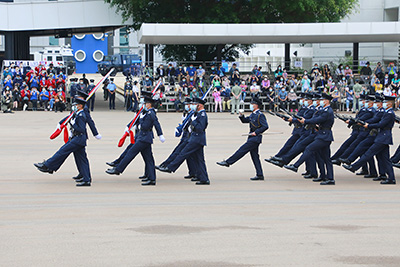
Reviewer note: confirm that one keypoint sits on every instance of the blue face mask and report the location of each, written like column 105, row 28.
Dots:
column 145, row 108
column 301, row 102
column 385, row 106
column 322, row 103
column 306, row 103
column 315, row 103
column 187, row 107
column 366, row 105
column 193, row 107
column 251, row 107
column 375, row 106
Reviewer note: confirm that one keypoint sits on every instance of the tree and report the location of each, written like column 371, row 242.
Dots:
column 226, row 11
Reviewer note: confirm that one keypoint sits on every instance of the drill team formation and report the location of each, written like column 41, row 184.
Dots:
column 311, row 138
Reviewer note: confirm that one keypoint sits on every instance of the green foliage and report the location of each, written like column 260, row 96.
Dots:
column 227, row 11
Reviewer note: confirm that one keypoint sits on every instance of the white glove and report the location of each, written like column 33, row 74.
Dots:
column 98, row 137
column 58, row 127
column 72, row 122
column 194, row 118
column 162, row 138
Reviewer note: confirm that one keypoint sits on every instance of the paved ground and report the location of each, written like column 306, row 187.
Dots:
column 284, row 221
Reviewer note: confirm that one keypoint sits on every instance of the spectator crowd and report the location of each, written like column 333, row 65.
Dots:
column 26, row 88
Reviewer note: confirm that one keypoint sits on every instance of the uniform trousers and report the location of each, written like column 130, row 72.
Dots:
column 360, row 149
column 189, row 161
column 344, row 146
column 147, row 154
column 81, row 160
column 196, row 151
column 247, row 147
column 319, row 148
column 382, row 154
column 396, row 156
column 288, row 145
column 118, row 160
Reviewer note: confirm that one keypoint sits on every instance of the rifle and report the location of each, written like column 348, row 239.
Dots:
column 66, row 121
column 294, row 115
column 129, row 132
column 181, row 126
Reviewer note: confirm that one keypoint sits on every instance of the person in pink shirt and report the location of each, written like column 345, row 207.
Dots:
column 217, row 99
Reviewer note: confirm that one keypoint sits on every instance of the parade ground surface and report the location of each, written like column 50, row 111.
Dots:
column 283, row 221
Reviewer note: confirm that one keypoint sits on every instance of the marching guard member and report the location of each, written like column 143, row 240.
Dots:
column 183, row 142
column 320, row 147
column 90, row 122
column 76, row 145
column 143, row 142
column 380, row 147
column 258, row 125
column 195, row 145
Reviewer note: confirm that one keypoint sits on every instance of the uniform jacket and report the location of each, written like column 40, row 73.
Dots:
column 325, row 119
column 78, row 127
column 298, row 127
column 384, row 127
column 258, row 124
column 148, row 119
column 198, row 128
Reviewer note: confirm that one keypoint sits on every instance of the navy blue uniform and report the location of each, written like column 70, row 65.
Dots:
column 258, row 124
column 320, row 147
column 195, row 147
column 380, row 147
column 76, row 145
column 296, row 134
column 178, row 149
column 143, row 142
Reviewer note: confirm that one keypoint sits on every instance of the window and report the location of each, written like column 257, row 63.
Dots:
column 59, row 58
column 123, row 37
column 53, row 40
column 49, row 58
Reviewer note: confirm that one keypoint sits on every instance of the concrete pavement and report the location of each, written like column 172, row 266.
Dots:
column 283, row 221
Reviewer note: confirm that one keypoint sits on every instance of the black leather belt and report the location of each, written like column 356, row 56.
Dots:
column 324, row 129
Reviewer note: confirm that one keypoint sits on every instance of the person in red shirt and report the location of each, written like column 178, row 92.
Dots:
column 25, row 96
column 60, row 83
column 51, row 82
column 39, row 69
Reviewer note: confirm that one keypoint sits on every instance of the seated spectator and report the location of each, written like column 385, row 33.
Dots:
column 170, row 74
column 226, row 83
column 178, row 102
column 226, row 98
column 348, row 73
column 7, row 72
column 217, row 82
column 60, row 83
column 217, row 100
column 213, row 72
column 183, row 85
column 292, row 83
column 160, row 72
column 233, row 69
column 244, row 91
column 395, row 82
column 326, row 72
column 379, row 71
column 25, row 96
column 387, row 91
column 147, row 83
column 387, row 80
column 282, row 98
column 191, row 72
column 336, row 98
column 59, row 101
column 201, row 86
column 255, row 90
column 194, row 93
column 271, row 99
column 200, row 71
column 259, row 74
column 18, row 79
column 8, row 82
column 278, row 72
column 378, row 86
column 191, row 84
column 305, row 84
column 292, row 98
column 365, row 73
column 285, row 74
column 34, row 98
column 44, row 99
column 265, row 85
column 235, row 77
column 16, row 97
column 349, row 98
column 339, row 72
column 180, row 73
column 221, row 70
column 320, row 83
